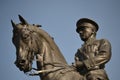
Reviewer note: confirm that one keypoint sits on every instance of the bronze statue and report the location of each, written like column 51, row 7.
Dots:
column 32, row 42
column 91, row 58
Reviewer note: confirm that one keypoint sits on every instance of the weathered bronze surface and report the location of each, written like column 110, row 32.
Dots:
column 33, row 42
column 91, row 58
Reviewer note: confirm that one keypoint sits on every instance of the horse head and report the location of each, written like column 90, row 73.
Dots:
column 25, row 41
column 29, row 41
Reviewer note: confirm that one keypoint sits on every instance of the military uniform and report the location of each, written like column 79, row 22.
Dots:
column 93, row 55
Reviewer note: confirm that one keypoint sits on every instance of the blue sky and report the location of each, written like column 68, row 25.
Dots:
column 58, row 18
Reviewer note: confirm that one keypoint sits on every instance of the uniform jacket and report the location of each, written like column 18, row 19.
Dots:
column 94, row 55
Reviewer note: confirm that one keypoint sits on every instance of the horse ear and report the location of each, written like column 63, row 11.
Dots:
column 13, row 24
column 23, row 21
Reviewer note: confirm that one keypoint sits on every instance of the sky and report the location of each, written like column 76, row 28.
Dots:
column 58, row 18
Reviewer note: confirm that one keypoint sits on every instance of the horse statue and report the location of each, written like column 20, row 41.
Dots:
column 31, row 43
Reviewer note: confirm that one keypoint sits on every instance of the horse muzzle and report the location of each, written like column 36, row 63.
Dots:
column 23, row 65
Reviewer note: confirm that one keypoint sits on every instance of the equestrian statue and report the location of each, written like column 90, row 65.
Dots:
column 33, row 43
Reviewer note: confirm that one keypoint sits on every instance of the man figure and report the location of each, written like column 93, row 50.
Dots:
column 91, row 58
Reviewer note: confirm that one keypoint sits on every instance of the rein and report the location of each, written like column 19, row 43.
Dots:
column 37, row 72
column 57, row 67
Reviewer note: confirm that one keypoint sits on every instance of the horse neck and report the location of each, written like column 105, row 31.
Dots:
column 50, row 45
column 49, row 52
column 49, row 58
